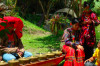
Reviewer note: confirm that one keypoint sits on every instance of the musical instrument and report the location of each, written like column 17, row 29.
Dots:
column 24, row 61
column 13, row 62
column 50, row 55
column 49, row 59
column 2, row 63
column 33, row 59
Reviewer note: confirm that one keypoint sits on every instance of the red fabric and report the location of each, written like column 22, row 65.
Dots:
column 11, row 40
column 88, row 30
column 0, row 19
column 2, row 27
column 73, row 57
column 10, row 37
column 19, row 27
column 18, row 32
column 10, row 21
column 15, row 23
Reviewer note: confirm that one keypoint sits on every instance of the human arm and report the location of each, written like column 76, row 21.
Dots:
column 9, row 50
column 20, row 46
column 95, row 19
column 66, row 37
column 4, row 48
column 91, row 59
column 80, row 47
column 69, row 40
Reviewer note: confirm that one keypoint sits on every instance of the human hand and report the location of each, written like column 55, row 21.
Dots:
column 88, row 21
column 88, row 60
column 80, row 47
column 20, row 52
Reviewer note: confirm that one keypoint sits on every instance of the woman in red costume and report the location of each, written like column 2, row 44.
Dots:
column 73, row 49
column 89, row 21
column 12, row 47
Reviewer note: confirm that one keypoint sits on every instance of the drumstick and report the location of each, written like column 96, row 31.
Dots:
column 19, row 55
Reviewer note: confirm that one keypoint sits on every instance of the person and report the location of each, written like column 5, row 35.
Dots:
column 12, row 47
column 88, row 38
column 89, row 62
column 73, row 49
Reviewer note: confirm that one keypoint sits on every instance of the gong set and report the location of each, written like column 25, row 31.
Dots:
column 29, row 60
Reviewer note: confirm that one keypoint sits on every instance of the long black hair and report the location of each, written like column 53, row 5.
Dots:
column 86, row 4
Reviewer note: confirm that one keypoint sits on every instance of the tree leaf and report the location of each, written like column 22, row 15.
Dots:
column 3, row 24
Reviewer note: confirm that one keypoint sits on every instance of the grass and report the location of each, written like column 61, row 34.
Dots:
column 38, row 40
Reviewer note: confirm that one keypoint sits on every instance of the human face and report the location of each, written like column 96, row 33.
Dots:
column 75, row 26
column 86, row 8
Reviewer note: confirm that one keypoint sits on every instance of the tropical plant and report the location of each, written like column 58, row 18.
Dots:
column 12, row 6
column 56, row 23
column 47, row 7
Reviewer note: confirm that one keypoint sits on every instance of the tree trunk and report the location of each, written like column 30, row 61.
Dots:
column 80, row 7
column 42, row 7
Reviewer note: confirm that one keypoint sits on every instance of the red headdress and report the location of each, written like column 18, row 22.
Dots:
column 2, row 27
column 15, row 23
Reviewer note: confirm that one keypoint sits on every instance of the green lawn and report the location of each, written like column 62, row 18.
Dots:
column 38, row 40
column 97, row 29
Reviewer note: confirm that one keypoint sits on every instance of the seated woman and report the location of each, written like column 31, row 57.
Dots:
column 73, row 49
column 12, row 47
column 96, row 55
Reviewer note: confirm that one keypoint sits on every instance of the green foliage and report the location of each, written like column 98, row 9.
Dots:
column 32, row 18
column 35, row 37
column 3, row 24
column 3, row 33
column 96, row 9
column 7, row 31
column 61, row 63
column 10, row 2
column 56, row 23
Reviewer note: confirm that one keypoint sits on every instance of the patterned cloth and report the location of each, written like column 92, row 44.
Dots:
column 15, row 23
column 88, row 29
column 74, row 57
column 4, row 42
column 87, row 36
column 71, row 39
column 97, row 55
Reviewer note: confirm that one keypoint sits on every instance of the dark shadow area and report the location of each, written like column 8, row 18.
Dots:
column 37, row 19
